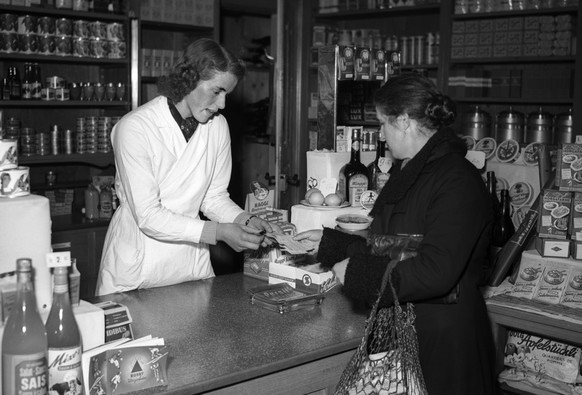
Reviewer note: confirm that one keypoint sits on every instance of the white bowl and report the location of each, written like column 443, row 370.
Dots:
column 353, row 221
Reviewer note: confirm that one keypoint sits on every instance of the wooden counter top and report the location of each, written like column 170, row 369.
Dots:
column 217, row 339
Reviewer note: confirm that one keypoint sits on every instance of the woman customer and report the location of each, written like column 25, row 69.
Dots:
column 433, row 191
column 173, row 161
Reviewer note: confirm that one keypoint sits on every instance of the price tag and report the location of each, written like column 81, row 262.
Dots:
column 58, row 259
column 328, row 185
column 385, row 164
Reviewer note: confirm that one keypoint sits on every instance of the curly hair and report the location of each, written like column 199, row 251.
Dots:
column 417, row 96
column 201, row 60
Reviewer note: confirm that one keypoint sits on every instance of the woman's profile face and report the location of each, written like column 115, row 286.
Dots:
column 209, row 96
column 393, row 135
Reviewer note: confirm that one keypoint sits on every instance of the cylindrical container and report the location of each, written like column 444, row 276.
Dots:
column 8, row 154
column 88, row 91
column 117, row 49
column 81, row 29
column 488, row 145
column 64, row 27
column 539, row 127
column 75, row 91
column 120, row 91
column 91, row 202
column 115, row 33
column 110, row 91
column 63, row 45
column 563, row 128
column 521, row 194
column 46, row 25
column 98, row 47
column 98, row 30
column 28, row 43
column 15, row 182
column 81, row 47
column 105, row 203
column 27, row 142
column 9, row 42
column 27, row 24
column 419, row 50
column 509, row 126
column 55, row 140
column 8, row 23
column 404, row 51
column 99, row 91
column 531, row 155
column 46, row 44
column 68, row 142
column 476, row 123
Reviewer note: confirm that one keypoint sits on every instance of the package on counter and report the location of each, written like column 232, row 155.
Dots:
column 117, row 321
column 569, row 167
column 536, row 383
column 530, row 274
column 554, row 214
column 260, row 199
column 256, row 262
column 572, row 296
column 531, row 353
column 553, row 282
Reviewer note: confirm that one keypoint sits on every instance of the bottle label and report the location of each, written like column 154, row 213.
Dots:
column 381, row 180
column 24, row 374
column 64, row 367
column 358, row 183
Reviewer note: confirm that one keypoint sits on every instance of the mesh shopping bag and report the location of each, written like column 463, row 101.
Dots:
column 386, row 361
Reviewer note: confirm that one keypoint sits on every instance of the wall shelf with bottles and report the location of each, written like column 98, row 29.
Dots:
column 63, row 12
column 379, row 12
column 96, row 159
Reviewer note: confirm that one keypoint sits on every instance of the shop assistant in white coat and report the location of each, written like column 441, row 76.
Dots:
column 173, row 161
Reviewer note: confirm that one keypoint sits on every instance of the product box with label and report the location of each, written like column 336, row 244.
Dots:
column 531, row 270
column 553, row 282
column 554, row 214
column 378, row 65
column 572, row 296
column 256, row 263
column 309, row 278
column 569, row 167
column 345, row 62
column 362, row 63
column 117, row 321
column 556, row 248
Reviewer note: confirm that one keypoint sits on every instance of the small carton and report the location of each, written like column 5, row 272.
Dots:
column 556, row 248
column 531, row 270
column 378, row 65
column 257, row 263
column 576, row 217
column 553, row 282
column 314, row 279
column 569, row 167
column 362, row 63
column 572, row 296
column 554, row 214
column 345, row 62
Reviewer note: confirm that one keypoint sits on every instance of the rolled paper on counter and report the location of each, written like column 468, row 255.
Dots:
column 512, row 250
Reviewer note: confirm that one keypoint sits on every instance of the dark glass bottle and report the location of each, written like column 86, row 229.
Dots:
column 353, row 176
column 36, row 82
column 14, row 83
column 378, row 169
column 26, row 89
column 492, row 188
column 503, row 227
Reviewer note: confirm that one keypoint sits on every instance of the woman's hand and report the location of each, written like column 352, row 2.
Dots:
column 339, row 269
column 310, row 237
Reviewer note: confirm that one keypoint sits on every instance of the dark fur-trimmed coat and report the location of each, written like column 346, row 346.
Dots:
column 442, row 196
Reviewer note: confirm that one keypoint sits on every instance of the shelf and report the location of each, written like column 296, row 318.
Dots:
column 63, row 59
column 419, row 67
column 98, row 159
column 62, row 103
column 64, row 13
column 511, row 100
column 157, row 25
column 76, row 221
column 516, row 59
column 380, row 13
column 543, row 11
column 59, row 185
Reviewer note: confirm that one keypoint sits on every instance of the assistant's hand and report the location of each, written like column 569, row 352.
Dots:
column 339, row 269
column 265, row 227
column 240, row 237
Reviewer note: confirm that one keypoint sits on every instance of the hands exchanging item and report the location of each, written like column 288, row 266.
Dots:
column 249, row 236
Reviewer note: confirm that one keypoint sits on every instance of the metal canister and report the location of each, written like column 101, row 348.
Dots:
column 539, row 127
column 476, row 123
column 419, row 49
column 563, row 127
column 509, row 125
column 46, row 25
column 55, row 140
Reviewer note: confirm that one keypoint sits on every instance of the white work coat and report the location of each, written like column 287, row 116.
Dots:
column 163, row 183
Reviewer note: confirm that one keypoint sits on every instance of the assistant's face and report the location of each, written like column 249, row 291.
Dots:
column 210, row 96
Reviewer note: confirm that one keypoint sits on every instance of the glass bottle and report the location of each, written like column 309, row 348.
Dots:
column 91, row 202
column 24, row 342
column 105, row 203
column 503, row 227
column 64, row 338
column 14, row 83
column 492, row 189
column 26, row 88
column 5, row 88
column 378, row 169
column 36, row 82
column 353, row 176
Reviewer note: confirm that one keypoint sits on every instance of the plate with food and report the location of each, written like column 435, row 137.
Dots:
column 324, row 206
column 569, row 158
column 550, row 205
column 560, row 212
column 353, row 221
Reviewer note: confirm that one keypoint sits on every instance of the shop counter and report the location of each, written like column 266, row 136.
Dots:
column 220, row 343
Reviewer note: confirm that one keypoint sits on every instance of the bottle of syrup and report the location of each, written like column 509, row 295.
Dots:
column 353, row 176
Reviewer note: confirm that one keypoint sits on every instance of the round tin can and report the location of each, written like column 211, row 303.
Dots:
column 8, row 23
column 8, row 153
column 46, row 44
column 81, row 47
column 508, row 151
column 46, row 25
column 9, row 42
column 115, row 32
column 63, row 45
column 470, row 142
column 15, row 182
column 563, row 127
column 521, row 194
column 488, row 145
column 117, row 49
column 98, row 29
column 530, row 154
column 98, row 47
column 27, row 24
column 28, row 43
column 64, row 27
column 81, row 29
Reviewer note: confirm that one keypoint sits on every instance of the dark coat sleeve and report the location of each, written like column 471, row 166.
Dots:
column 336, row 246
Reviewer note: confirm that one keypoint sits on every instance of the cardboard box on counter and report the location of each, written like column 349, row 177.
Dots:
column 556, row 248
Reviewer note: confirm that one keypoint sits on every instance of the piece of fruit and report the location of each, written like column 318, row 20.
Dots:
column 310, row 191
column 316, row 198
column 333, row 199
